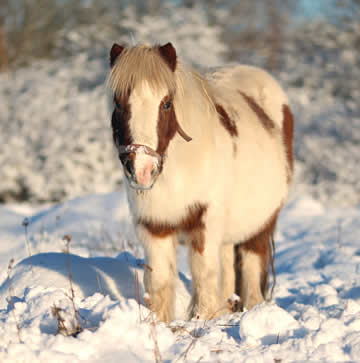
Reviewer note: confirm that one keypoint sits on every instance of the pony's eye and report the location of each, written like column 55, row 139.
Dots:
column 167, row 105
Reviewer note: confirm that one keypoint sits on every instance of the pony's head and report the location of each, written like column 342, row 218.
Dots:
column 144, row 83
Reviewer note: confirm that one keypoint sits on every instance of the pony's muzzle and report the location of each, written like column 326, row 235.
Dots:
column 141, row 168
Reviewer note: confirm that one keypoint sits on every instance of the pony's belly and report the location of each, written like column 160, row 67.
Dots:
column 253, row 202
column 243, row 226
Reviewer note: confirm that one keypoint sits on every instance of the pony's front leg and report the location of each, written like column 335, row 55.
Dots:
column 160, row 273
column 205, row 268
column 228, row 272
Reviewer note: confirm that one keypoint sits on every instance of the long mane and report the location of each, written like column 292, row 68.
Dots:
column 144, row 63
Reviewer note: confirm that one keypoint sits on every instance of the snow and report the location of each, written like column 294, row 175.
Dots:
column 55, row 145
column 314, row 315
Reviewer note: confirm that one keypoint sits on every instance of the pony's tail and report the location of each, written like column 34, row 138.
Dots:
column 271, row 246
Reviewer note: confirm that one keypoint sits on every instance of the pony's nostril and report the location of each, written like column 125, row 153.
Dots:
column 129, row 167
column 154, row 172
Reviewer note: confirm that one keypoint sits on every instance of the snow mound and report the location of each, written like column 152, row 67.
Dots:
column 110, row 276
column 266, row 323
column 113, row 330
column 120, row 278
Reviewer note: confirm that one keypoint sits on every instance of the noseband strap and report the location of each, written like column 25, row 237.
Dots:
column 139, row 148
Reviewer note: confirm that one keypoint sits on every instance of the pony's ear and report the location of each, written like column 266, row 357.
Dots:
column 115, row 51
column 168, row 53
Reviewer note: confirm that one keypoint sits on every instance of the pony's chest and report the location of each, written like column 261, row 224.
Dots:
column 159, row 205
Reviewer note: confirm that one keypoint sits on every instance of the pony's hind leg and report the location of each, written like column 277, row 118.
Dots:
column 254, row 258
column 250, row 278
column 160, row 274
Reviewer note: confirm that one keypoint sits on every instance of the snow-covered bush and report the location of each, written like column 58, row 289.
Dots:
column 196, row 41
column 321, row 72
column 55, row 139
column 55, row 134
column 319, row 68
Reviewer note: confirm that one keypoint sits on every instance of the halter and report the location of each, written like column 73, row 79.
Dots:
column 135, row 148
column 182, row 133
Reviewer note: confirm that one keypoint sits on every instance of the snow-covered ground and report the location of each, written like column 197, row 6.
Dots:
column 314, row 316
column 55, row 145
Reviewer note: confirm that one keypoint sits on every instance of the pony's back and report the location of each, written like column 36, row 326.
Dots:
column 255, row 83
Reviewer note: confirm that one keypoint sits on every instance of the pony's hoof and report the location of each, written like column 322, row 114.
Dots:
column 235, row 305
column 206, row 314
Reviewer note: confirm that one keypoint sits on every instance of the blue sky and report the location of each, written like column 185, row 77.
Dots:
column 318, row 8
column 313, row 8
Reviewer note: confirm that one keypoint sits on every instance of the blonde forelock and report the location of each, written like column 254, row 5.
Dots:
column 138, row 64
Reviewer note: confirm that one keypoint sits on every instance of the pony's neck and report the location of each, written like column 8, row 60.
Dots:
column 197, row 116
column 195, row 103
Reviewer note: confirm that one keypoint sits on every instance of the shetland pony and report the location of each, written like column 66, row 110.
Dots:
column 208, row 161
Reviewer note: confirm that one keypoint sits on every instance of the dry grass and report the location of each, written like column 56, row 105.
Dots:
column 150, row 318
column 75, row 327
column 153, row 333
column 11, row 262
column 62, row 329
column 25, row 223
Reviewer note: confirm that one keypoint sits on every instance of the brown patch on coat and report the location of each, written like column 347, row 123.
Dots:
column 120, row 122
column 262, row 244
column 166, row 126
column 259, row 111
column 168, row 53
column 228, row 124
column 226, row 121
column 159, row 230
column 192, row 224
column 197, row 240
column 288, row 135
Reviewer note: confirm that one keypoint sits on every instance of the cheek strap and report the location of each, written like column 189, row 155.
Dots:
column 182, row 133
